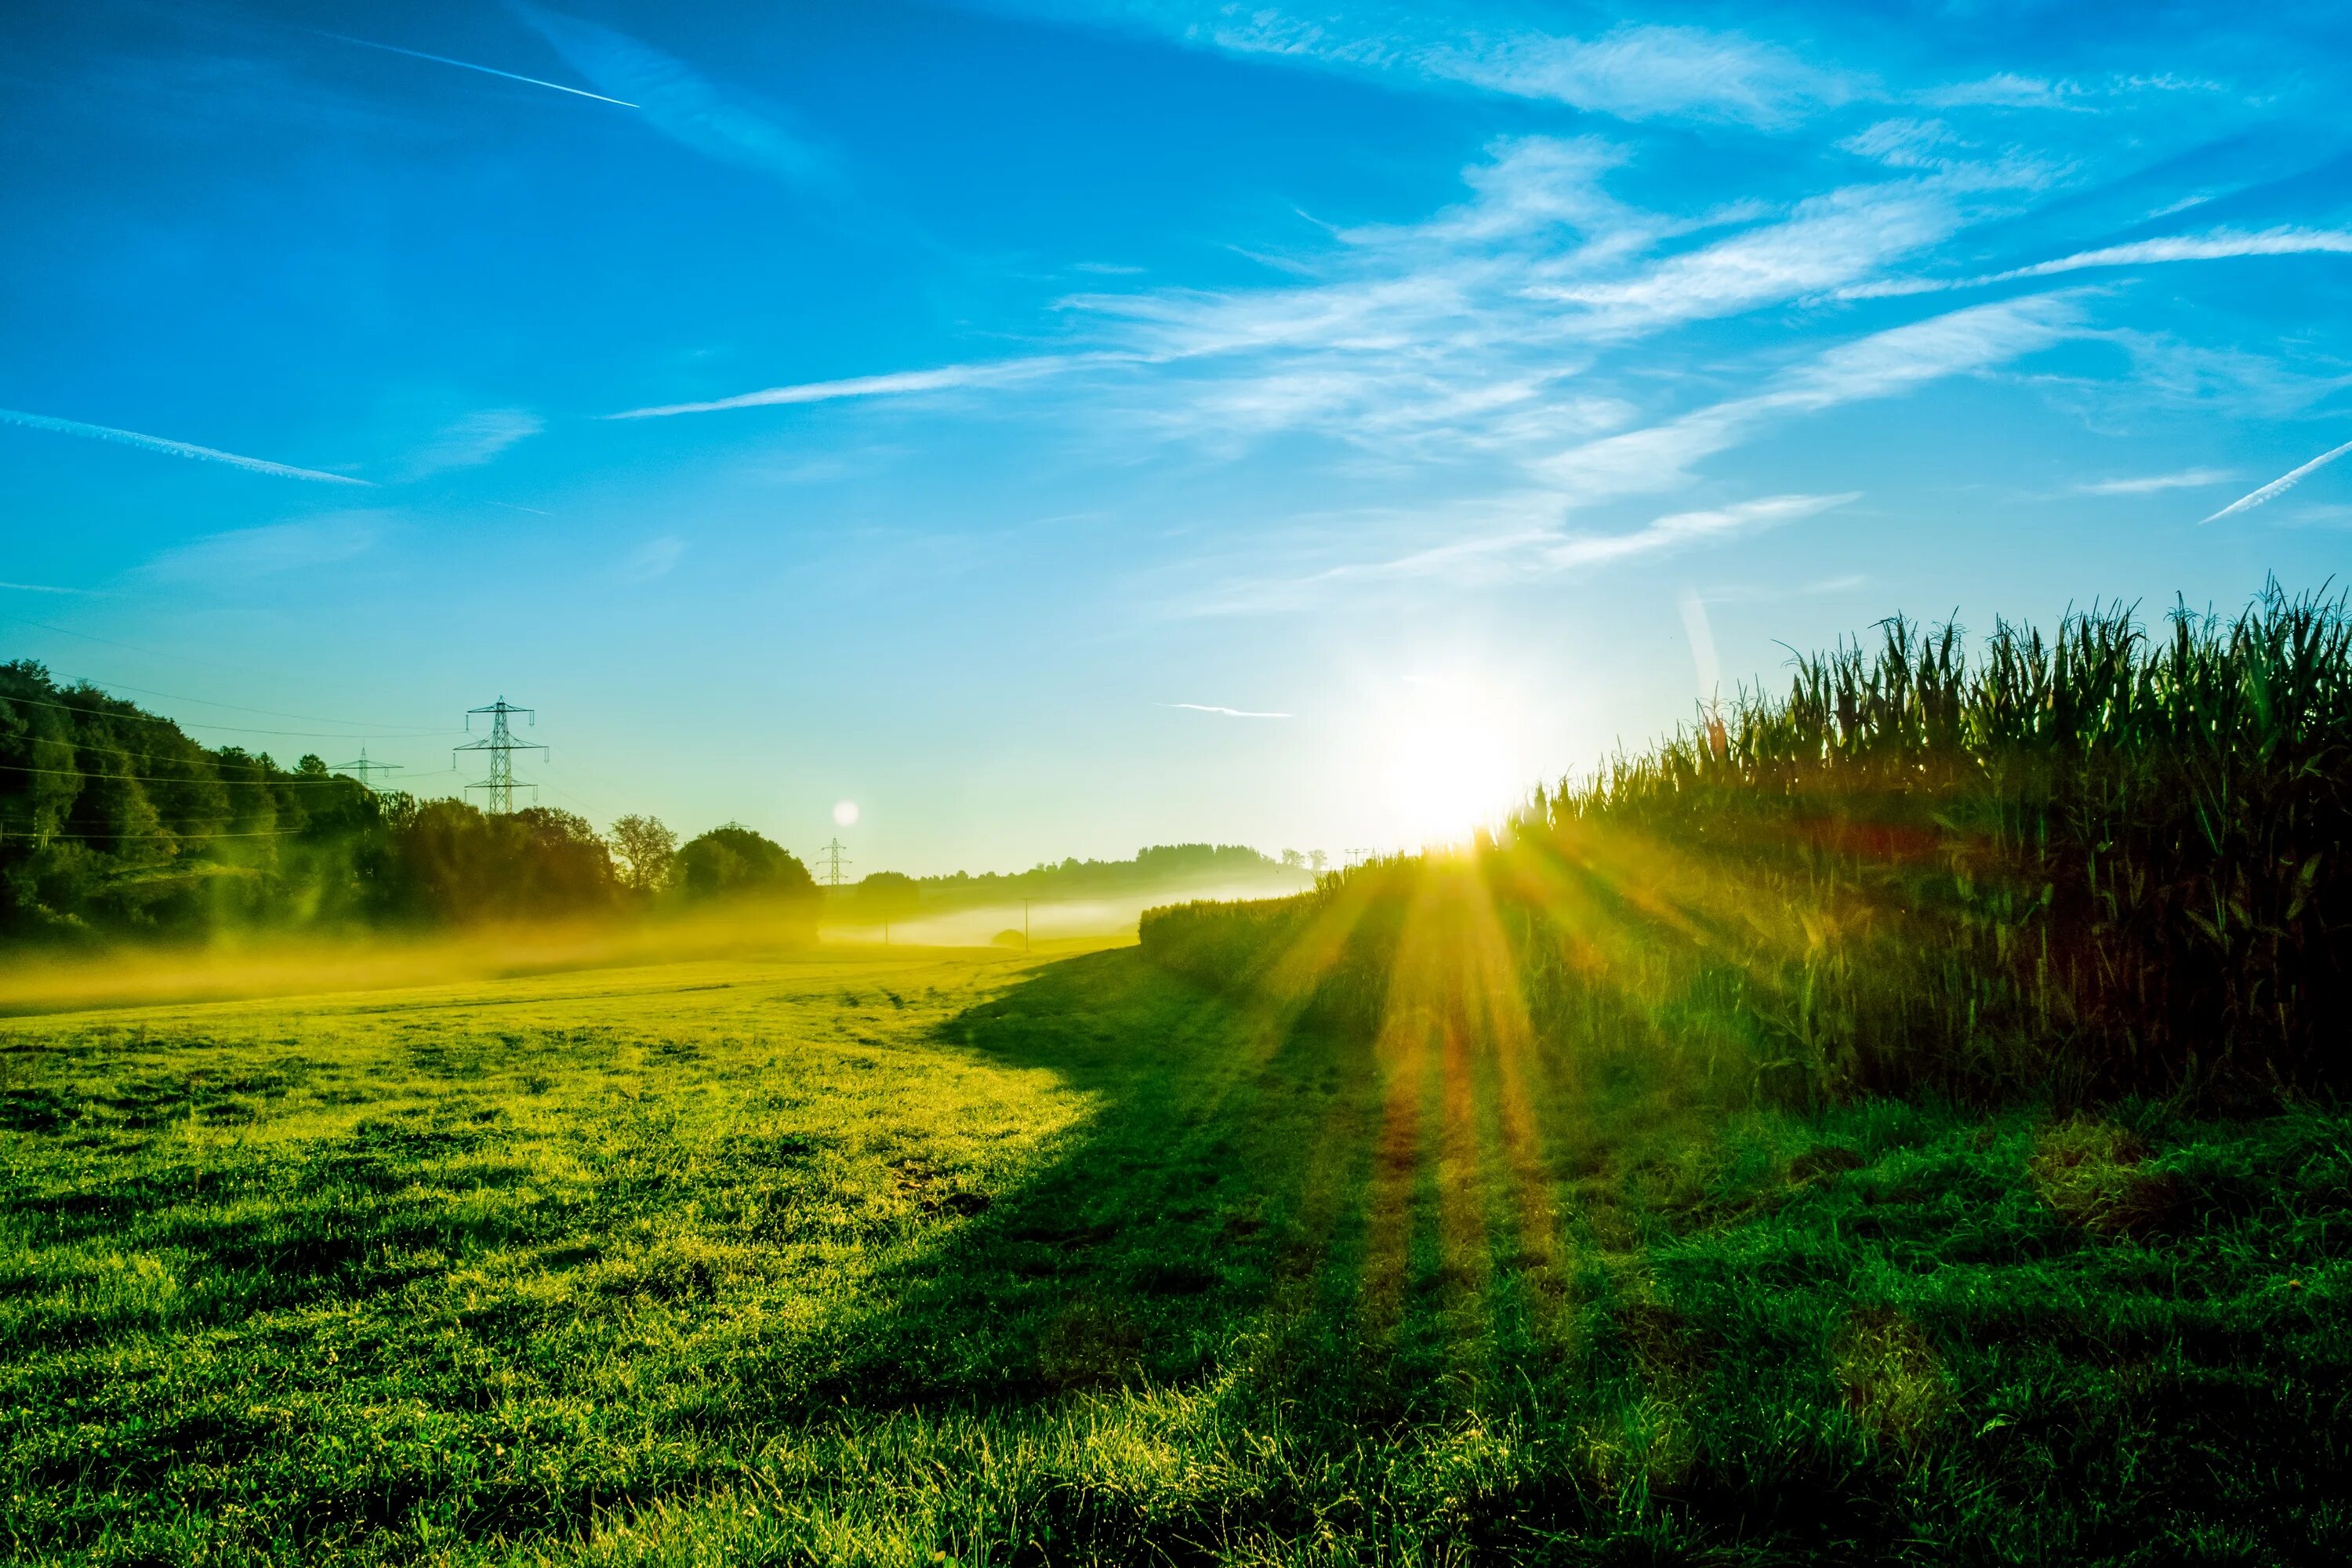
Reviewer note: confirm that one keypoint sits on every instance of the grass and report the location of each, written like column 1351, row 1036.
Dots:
column 945, row 1255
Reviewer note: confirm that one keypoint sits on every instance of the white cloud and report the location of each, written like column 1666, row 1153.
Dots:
column 2012, row 90
column 1643, row 72
column 895, row 383
column 2149, row 484
column 1687, row 526
column 722, row 124
column 1883, row 365
column 2007, row 90
column 1502, row 540
column 232, row 558
column 655, row 558
column 1823, row 243
column 1476, row 330
column 474, row 440
column 1634, row 71
column 1473, row 333
column 1905, row 143
column 2221, row 244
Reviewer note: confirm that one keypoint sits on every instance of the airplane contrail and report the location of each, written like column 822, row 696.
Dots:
column 2279, row 486
column 1228, row 712
column 470, row 65
column 175, row 448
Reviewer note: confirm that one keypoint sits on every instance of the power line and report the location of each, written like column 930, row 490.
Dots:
column 830, row 858
column 501, row 745
column 143, row 717
column 132, row 646
column 195, row 833
column 283, row 781
column 365, row 771
column 586, row 806
column 241, row 707
column 281, row 776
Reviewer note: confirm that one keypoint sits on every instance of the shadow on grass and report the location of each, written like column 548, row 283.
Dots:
column 1411, row 1254
column 1217, row 1165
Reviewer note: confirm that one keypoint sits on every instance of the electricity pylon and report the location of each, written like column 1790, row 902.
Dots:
column 365, row 771
column 830, row 858
column 501, row 745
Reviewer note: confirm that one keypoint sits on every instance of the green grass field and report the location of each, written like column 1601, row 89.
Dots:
column 927, row 1256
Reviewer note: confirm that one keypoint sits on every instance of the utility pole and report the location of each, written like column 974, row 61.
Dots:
column 501, row 745
column 830, row 858
column 365, row 771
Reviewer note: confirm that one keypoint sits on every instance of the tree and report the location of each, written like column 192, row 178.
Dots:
column 459, row 863
column 886, row 896
column 1292, row 859
column 647, row 850
column 1316, row 860
column 733, row 861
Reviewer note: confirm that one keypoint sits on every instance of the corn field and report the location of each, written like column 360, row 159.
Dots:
column 2110, row 859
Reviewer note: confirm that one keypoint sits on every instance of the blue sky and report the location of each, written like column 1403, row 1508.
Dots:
column 1060, row 426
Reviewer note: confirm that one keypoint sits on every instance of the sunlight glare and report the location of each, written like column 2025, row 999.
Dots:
column 845, row 815
column 1448, row 766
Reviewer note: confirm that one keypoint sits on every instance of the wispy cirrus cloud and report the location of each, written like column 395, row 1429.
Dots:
column 2221, row 244
column 1821, row 244
column 2007, row 90
column 2280, row 486
column 241, row 554
column 1502, row 333
column 2017, row 89
column 1883, row 365
column 1505, row 540
column 724, row 123
column 1684, row 528
column 655, row 558
column 1479, row 330
column 474, row 439
column 894, row 384
column 2150, row 484
column 1633, row 71
column 1223, row 712
column 1472, row 332
column 170, row 447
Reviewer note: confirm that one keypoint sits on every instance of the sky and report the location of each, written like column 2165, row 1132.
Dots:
column 1062, row 425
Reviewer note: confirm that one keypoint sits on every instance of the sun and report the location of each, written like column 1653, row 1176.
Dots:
column 1449, row 764
column 845, row 814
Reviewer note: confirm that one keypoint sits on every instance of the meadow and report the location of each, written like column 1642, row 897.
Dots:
column 858, row 1255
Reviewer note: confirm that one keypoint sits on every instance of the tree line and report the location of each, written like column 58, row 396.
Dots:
column 113, row 822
